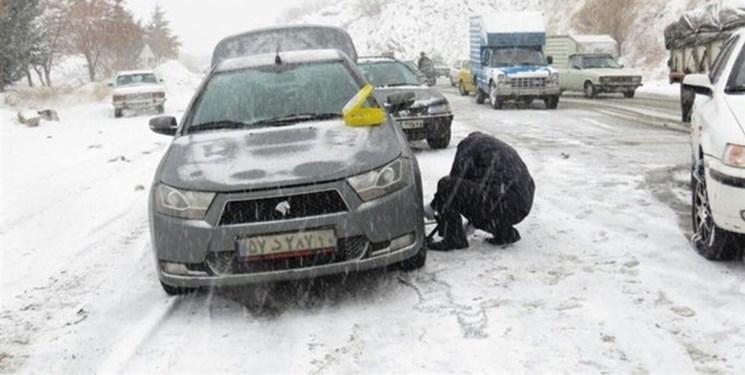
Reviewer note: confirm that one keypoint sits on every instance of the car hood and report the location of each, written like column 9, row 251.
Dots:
column 241, row 160
column 615, row 72
column 736, row 104
column 139, row 89
column 423, row 96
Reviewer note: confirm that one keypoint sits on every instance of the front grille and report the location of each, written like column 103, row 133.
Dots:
column 527, row 83
column 139, row 96
column 618, row 79
column 228, row 263
column 283, row 208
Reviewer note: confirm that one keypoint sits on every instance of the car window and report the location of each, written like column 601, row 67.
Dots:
column 600, row 62
column 253, row 95
column 389, row 74
column 517, row 56
column 721, row 61
column 136, row 79
column 737, row 78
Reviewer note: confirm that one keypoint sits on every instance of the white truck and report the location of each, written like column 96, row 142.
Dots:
column 589, row 64
column 508, row 61
column 695, row 40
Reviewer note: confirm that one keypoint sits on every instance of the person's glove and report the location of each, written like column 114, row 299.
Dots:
column 429, row 212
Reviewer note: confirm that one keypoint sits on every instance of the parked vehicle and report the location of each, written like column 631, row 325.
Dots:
column 441, row 68
column 465, row 80
column 588, row 64
column 137, row 90
column 695, row 41
column 455, row 72
column 284, row 167
column 718, row 144
column 508, row 61
column 428, row 117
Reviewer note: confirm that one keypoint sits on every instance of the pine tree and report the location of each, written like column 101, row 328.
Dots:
column 159, row 36
column 19, row 34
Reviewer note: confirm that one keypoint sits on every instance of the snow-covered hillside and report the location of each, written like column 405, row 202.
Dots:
column 440, row 27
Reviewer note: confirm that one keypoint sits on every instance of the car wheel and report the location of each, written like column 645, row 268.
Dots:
column 462, row 89
column 712, row 242
column 176, row 291
column 440, row 141
column 552, row 102
column 687, row 98
column 118, row 113
column 629, row 94
column 496, row 102
column 416, row 262
column 590, row 90
column 480, row 96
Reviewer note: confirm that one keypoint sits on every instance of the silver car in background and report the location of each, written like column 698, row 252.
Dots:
column 270, row 179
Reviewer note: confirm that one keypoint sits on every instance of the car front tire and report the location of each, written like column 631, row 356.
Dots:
column 496, row 102
column 552, row 102
column 462, row 89
column 480, row 96
column 590, row 91
column 711, row 241
column 118, row 113
column 440, row 141
column 416, row 262
column 629, row 94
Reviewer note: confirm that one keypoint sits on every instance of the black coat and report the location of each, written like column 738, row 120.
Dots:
column 498, row 169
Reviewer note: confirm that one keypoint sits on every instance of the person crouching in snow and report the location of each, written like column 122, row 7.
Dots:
column 490, row 186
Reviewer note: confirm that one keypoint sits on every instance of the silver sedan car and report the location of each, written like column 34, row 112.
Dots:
column 269, row 178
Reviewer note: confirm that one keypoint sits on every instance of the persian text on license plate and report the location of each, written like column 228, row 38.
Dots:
column 415, row 124
column 287, row 245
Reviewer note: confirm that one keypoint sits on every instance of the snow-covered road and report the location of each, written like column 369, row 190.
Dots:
column 604, row 280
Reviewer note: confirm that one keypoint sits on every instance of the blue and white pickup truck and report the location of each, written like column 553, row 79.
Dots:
column 507, row 55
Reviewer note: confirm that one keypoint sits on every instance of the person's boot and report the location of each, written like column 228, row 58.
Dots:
column 447, row 245
column 506, row 236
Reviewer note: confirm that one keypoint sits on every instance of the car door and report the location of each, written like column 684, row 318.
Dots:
column 573, row 75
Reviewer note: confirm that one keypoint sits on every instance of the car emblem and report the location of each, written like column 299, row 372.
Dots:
column 283, row 208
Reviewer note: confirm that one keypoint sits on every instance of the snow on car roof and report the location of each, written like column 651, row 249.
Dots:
column 514, row 22
column 134, row 72
column 593, row 39
column 375, row 60
column 291, row 57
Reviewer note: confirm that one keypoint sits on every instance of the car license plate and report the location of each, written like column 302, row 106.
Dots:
column 287, row 245
column 412, row 124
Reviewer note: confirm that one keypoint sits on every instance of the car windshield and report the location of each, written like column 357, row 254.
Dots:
column 600, row 62
column 737, row 83
column 285, row 94
column 388, row 74
column 517, row 56
column 136, row 79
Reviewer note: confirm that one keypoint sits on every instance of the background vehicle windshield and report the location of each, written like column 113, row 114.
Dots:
column 274, row 92
column 517, row 56
column 600, row 62
column 136, row 79
column 738, row 73
column 389, row 74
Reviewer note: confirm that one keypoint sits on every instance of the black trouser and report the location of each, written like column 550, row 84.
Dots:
column 496, row 215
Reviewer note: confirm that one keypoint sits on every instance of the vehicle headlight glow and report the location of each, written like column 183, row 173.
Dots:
column 439, row 109
column 382, row 181
column 183, row 204
column 734, row 156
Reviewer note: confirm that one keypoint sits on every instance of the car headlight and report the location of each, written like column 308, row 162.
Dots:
column 382, row 181
column 501, row 79
column 439, row 109
column 605, row 80
column 183, row 204
column 734, row 156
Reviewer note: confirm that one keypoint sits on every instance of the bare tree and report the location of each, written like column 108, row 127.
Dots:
column 87, row 30
column 613, row 17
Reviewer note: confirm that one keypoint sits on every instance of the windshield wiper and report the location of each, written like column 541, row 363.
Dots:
column 215, row 125
column 295, row 119
column 735, row 90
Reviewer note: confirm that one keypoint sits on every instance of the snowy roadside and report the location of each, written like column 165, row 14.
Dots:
column 660, row 88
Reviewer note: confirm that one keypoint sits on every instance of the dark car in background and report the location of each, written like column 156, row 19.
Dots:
column 428, row 118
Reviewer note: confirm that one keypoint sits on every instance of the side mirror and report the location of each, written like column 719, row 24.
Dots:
column 165, row 125
column 550, row 60
column 699, row 83
column 399, row 102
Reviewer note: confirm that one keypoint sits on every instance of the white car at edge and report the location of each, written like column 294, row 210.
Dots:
column 718, row 144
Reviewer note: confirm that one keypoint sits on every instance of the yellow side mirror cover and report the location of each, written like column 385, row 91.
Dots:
column 356, row 115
